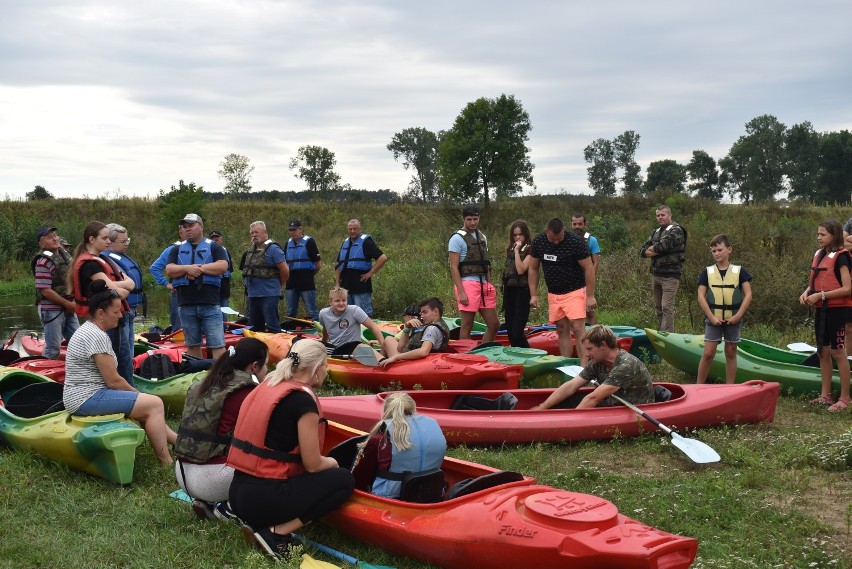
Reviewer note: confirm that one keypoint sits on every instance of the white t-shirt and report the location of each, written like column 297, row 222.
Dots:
column 82, row 376
column 344, row 328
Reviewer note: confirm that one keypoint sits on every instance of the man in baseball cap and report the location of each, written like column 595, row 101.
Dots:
column 303, row 260
column 192, row 218
column 54, row 302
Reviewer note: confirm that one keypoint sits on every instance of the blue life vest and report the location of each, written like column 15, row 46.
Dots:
column 297, row 255
column 355, row 259
column 227, row 274
column 427, row 452
column 203, row 255
column 132, row 270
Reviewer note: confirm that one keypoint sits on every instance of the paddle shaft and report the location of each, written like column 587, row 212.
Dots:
column 636, row 409
column 156, row 347
column 10, row 340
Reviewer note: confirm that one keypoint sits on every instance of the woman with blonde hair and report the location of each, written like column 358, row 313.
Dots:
column 401, row 442
column 281, row 480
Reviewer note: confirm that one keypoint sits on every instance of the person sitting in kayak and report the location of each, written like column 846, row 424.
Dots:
column 420, row 336
column 341, row 324
column 615, row 370
column 209, row 416
column 282, row 480
column 402, row 441
column 92, row 383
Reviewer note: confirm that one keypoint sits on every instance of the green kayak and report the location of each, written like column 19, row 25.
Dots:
column 172, row 390
column 102, row 445
column 539, row 366
column 754, row 361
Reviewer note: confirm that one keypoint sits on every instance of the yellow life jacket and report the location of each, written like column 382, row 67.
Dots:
column 724, row 295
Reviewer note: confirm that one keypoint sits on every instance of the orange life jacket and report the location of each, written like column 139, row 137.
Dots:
column 248, row 452
column 110, row 269
column 824, row 279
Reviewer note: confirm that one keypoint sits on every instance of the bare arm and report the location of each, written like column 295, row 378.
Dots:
column 118, row 286
column 309, row 445
column 56, row 298
column 109, row 372
column 377, row 333
column 562, row 393
column 532, row 280
column 705, row 307
column 456, row 276
column 380, row 262
column 283, row 273
column 521, row 265
column 594, row 398
column 746, row 288
column 589, row 270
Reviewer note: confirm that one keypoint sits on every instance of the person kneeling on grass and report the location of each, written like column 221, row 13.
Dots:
column 282, row 480
column 92, row 383
column 420, row 336
column 341, row 324
column 209, row 416
column 615, row 370
column 401, row 442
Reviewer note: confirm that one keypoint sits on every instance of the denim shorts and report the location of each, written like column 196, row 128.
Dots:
column 198, row 319
column 108, row 401
column 731, row 332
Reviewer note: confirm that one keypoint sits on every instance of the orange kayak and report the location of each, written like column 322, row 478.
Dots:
column 278, row 343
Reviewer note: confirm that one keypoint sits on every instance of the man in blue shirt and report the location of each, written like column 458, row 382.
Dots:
column 157, row 269
column 265, row 274
column 580, row 227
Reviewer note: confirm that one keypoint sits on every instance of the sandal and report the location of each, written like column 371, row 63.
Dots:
column 841, row 405
column 822, row 400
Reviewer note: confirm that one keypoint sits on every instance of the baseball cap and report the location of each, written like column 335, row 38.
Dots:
column 192, row 218
column 412, row 310
column 64, row 242
column 42, row 232
column 294, row 223
column 215, row 233
column 470, row 209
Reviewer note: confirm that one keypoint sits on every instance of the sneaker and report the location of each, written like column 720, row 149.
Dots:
column 275, row 545
column 203, row 510
column 223, row 512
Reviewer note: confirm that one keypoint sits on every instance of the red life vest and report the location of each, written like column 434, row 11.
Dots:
column 249, row 452
column 110, row 269
column 824, row 279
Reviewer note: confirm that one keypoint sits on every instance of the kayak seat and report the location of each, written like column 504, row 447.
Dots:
column 35, row 400
column 345, row 452
column 425, row 487
column 661, row 394
column 471, row 485
column 505, row 402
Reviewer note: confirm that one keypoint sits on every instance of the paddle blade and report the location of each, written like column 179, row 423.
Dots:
column 801, row 347
column 697, row 451
column 365, row 355
column 8, row 356
column 309, row 562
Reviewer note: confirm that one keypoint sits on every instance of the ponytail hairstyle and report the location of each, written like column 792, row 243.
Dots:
column 397, row 406
column 101, row 296
column 305, row 357
column 248, row 351
column 91, row 230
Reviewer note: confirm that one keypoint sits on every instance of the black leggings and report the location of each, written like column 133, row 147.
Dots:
column 516, row 307
column 262, row 502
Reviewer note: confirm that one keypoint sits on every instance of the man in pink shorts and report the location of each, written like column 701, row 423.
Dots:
column 470, row 269
column 570, row 277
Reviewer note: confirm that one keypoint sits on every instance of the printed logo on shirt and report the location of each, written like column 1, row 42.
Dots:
column 549, row 257
column 343, row 324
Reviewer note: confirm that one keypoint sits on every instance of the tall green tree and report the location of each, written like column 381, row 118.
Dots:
column 835, row 176
column 236, row 170
column 665, row 175
column 802, row 160
column 601, row 173
column 754, row 167
column 418, row 148
column 175, row 204
column 485, row 151
column 315, row 165
column 625, row 145
column 704, row 174
column 38, row 193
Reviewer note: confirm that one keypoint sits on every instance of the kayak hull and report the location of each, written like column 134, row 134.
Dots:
column 104, row 446
column 514, row 524
column 435, row 371
column 754, row 361
column 691, row 406
column 35, row 346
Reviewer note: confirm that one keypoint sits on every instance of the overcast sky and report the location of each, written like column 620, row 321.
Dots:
column 102, row 97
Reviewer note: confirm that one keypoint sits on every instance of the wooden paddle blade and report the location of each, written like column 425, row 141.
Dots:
column 699, row 452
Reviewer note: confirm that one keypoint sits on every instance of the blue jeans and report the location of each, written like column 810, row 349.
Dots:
column 57, row 325
column 364, row 300
column 123, row 338
column 108, row 401
column 264, row 314
column 203, row 319
column 309, row 297
column 174, row 313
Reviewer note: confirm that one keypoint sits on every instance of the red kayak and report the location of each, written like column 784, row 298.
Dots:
column 435, row 371
column 54, row 369
column 690, row 406
column 35, row 346
column 504, row 520
column 548, row 340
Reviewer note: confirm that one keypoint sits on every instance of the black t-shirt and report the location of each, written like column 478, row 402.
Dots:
column 303, row 279
column 350, row 279
column 283, row 431
column 87, row 270
column 562, row 273
column 196, row 292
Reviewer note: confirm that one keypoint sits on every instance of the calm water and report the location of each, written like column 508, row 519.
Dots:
column 19, row 313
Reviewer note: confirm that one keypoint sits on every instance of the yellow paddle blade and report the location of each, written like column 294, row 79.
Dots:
column 309, row 562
